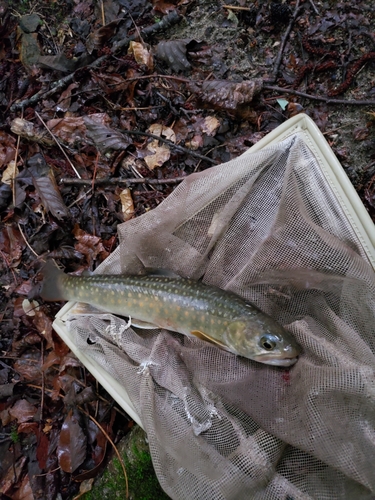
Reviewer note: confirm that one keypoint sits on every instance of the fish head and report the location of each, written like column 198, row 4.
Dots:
column 262, row 339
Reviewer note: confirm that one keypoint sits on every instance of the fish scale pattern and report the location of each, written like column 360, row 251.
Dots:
column 268, row 227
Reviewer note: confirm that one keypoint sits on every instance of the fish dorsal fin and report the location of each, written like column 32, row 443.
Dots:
column 204, row 336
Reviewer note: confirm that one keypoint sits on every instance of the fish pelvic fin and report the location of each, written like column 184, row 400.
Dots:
column 208, row 338
column 52, row 285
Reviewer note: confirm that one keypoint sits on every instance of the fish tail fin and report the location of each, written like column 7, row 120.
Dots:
column 52, row 284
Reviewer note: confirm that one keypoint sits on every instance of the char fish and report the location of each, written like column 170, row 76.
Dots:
column 182, row 305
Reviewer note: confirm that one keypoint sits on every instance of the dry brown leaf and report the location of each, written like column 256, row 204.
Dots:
column 10, row 173
column 210, row 125
column 127, row 204
column 160, row 155
column 70, row 129
column 141, row 54
column 162, row 131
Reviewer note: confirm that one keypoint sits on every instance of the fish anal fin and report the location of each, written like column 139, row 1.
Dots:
column 204, row 336
column 143, row 324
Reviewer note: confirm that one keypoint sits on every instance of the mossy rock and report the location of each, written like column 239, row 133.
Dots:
column 143, row 483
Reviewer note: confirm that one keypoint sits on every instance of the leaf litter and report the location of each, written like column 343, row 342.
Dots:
column 138, row 107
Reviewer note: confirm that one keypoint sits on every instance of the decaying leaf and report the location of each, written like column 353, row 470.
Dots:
column 22, row 411
column 30, row 307
column 105, row 138
column 210, row 125
column 141, row 54
column 160, row 154
column 162, row 131
column 65, row 98
column 127, row 204
column 88, row 245
column 226, row 95
column 173, row 53
column 69, row 129
column 61, row 63
column 41, row 176
column 27, row 129
column 99, row 37
column 7, row 148
column 71, row 449
column 10, row 173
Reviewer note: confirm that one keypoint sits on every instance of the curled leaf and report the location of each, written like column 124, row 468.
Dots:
column 127, row 204
column 141, row 54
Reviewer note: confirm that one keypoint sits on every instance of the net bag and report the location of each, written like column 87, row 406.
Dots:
column 268, row 227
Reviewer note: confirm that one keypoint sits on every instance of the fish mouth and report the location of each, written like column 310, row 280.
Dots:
column 279, row 362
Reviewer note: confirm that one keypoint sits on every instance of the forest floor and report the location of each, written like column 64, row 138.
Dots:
column 105, row 107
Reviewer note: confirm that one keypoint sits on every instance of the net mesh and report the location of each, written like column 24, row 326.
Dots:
column 268, row 227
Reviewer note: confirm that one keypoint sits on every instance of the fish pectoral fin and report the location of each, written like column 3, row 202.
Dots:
column 138, row 323
column 208, row 338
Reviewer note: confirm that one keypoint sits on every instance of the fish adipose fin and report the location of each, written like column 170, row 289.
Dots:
column 52, row 282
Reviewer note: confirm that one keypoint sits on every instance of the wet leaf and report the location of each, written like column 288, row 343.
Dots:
column 7, row 148
column 63, row 104
column 141, row 54
column 61, row 63
column 29, row 48
column 99, row 37
column 24, row 492
column 163, row 6
column 173, row 53
column 45, row 184
column 210, row 125
column 90, row 246
column 22, row 411
column 231, row 96
column 160, row 154
column 28, row 366
column 162, row 131
column 71, row 449
column 5, row 195
column 44, row 326
column 70, row 129
column 104, row 137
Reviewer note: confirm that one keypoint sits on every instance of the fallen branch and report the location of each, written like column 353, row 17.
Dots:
column 327, row 100
column 168, row 20
column 120, row 181
column 284, row 39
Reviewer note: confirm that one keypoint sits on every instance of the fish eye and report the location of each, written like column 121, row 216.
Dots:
column 267, row 343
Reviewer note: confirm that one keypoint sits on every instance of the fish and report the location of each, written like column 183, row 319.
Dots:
column 180, row 305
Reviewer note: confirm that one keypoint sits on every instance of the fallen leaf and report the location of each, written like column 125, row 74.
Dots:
column 127, row 204
column 63, row 104
column 99, row 37
column 70, row 129
column 160, row 154
column 10, row 173
column 22, row 411
column 162, row 131
column 29, row 307
column 141, row 54
column 104, row 137
column 71, row 448
column 24, row 492
column 7, row 148
column 88, row 245
column 173, row 53
column 211, row 125
column 27, row 129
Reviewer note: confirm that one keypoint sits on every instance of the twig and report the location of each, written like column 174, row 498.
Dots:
column 25, row 240
column 327, row 100
column 58, row 144
column 234, row 7
column 284, row 39
column 114, row 447
column 314, row 7
column 120, row 180
column 171, row 18
column 170, row 143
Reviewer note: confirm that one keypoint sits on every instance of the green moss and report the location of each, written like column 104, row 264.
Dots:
column 143, row 483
